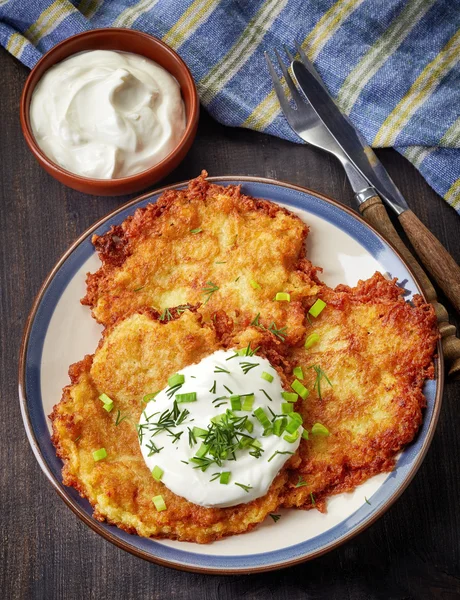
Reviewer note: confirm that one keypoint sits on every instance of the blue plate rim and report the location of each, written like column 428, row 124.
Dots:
column 105, row 533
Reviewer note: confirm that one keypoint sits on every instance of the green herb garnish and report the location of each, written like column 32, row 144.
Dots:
column 209, row 290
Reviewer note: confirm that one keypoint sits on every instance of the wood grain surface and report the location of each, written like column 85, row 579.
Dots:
column 46, row 552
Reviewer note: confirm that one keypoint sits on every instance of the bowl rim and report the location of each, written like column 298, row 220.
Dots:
column 107, row 535
column 29, row 87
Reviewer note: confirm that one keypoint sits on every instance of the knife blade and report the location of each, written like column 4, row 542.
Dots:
column 434, row 256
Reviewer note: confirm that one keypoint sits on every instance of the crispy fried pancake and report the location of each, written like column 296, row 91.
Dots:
column 205, row 238
column 134, row 358
column 376, row 351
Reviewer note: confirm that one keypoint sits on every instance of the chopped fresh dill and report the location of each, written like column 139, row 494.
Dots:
column 170, row 392
column 118, row 420
column 220, row 404
column 279, row 333
column 246, row 488
column 312, row 499
column 215, row 476
column 138, row 289
column 228, row 389
column 275, row 517
column 319, row 375
column 182, row 308
column 278, row 452
column 264, row 392
column 233, row 356
column 301, row 482
column 209, row 290
column 367, row 501
column 213, row 389
column 218, row 369
column 185, row 462
column 153, row 448
column 166, row 315
column 77, row 438
column 255, row 321
column 247, row 366
column 191, row 437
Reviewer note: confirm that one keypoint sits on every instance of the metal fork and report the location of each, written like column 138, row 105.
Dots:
column 306, row 124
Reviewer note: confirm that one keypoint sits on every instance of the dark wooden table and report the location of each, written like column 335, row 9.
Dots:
column 46, row 552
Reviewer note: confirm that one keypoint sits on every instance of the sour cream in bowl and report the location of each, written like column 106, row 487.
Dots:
column 110, row 111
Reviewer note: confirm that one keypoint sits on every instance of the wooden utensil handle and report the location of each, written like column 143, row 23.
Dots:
column 375, row 213
column 435, row 257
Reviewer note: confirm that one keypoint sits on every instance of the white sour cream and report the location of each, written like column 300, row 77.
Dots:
column 174, row 459
column 105, row 114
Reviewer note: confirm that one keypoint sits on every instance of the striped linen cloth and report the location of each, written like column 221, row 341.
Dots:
column 392, row 65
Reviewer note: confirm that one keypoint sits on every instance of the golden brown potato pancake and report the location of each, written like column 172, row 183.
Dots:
column 206, row 244
column 134, row 358
column 376, row 350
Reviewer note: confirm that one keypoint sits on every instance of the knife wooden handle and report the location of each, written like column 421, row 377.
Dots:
column 435, row 257
column 375, row 213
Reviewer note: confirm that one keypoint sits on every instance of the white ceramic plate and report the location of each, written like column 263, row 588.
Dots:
column 60, row 331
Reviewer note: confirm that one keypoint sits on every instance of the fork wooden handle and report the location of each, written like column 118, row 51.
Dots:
column 375, row 213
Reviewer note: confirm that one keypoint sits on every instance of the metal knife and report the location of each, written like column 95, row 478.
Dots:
column 434, row 256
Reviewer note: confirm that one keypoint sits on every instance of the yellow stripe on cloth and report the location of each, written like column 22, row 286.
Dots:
column 381, row 51
column 241, row 51
column 268, row 109
column 189, row 22
column 451, row 139
column 49, row 20
column 16, row 44
column 453, row 194
column 419, row 92
column 127, row 17
column 89, row 8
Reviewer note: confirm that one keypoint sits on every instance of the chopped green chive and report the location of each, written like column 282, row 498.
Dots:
column 286, row 408
column 299, row 388
column 248, row 402
column 157, row 473
column 246, row 488
column 291, row 437
column 235, row 402
column 305, row 434
column 188, row 397
column 295, row 421
column 279, row 426
column 202, row 450
column 301, row 482
column 275, row 517
column 290, row 396
column 312, row 339
column 283, row 297
column 265, row 394
column 249, row 426
column 260, row 415
column 367, row 501
column 108, row 407
column 199, row 432
column 138, row 289
column 267, row 376
column 317, row 307
column 228, row 389
column 77, row 438
column 319, row 429
column 177, row 379
column 197, row 230
column 159, row 503
column 220, row 262
column 298, row 372
column 105, row 399
column 99, row 454
column 146, row 399
column 254, row 284
column 224, row 477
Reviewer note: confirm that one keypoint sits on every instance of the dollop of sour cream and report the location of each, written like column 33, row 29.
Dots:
column 173, row 442
column 105, row 114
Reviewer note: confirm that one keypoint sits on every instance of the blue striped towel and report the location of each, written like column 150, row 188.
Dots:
column 393, row 65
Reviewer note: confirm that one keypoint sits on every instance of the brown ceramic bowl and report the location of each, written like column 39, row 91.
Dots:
column 124, row 40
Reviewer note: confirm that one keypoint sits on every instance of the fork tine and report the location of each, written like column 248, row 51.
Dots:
column 279, row 90
column 307, row 62
column 289, row 55
column 291, row 85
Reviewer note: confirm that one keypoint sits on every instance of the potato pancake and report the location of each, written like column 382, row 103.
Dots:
column 134, row 358
column 206, row 244
column 365, row 375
